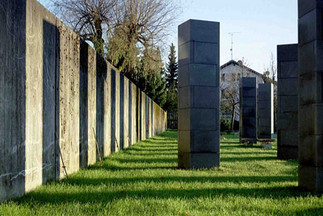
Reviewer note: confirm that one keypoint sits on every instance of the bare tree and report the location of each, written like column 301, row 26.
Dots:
column 145, row 20
column 271, row 70
column 231, row 100
column 90, row 18
column 139, row 25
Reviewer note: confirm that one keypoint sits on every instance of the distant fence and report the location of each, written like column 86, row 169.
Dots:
column 62, row 107
column 172, row 120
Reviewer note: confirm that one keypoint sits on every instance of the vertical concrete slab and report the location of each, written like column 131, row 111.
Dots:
column 147, row 117
column 69, row 97
column 117, row 122
column 248, row 109
column 310, row 146
column 12, row 98
column 115, row 110
column 92, row 104
column 138, row 114
column 70, row 130
column 130, row 117
column 199, row 134
column 265, row 106
column 126, row 138
column 121, row 113
column 101, row 74
column 143, row 116
column 34, row 96
column 152, row 117
column 287, row 97
column 50, row 100
column 107, row 112
column 84, row 67
column 134, row 113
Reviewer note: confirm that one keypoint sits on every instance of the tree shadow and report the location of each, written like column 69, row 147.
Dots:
column 104, row 196
column 83, row 181
column 244, row 159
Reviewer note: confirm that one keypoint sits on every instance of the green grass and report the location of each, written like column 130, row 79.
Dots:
column 144, row 180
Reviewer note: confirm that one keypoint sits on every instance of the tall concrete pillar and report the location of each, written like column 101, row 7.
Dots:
column 310, row 147
column 287, row 113
column 199, row 134
column 248, row 109
column 265, row 111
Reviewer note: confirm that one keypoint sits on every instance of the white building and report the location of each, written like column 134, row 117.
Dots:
column 230, row 76
column 232, row 71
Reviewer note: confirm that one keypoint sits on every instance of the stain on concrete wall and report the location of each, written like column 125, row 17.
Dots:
column 61, row 104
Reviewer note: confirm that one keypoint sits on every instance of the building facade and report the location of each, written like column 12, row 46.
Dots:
column 230, row 75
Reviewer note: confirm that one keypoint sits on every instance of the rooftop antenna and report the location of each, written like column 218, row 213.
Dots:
column 232, row 34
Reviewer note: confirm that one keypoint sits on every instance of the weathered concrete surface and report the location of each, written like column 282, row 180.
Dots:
column 12, row 97
column 55, row 100
column 115, row 110
column 198, row 117
column 149, row 117
column 265, row 106
column 310, row 111
column 143, row 116
column 248, row 109
column 107, row 112
column 287, row 97
column 124, row 113
column 134, row 114
column 159, row 119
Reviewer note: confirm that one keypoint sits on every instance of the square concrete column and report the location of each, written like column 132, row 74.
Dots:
column 248, row 109
column 287, row 113
column 199, row 134
column 265, row 111
column 310, row 146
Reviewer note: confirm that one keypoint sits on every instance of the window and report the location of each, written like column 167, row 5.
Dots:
column 233, row 77
column 223, row 77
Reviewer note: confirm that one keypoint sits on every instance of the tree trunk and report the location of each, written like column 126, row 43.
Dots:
column 232, row 118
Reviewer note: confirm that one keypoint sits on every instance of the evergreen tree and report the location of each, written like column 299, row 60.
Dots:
column 171, row 100
column 172, row 81
column 150, row 76
column 172, row 69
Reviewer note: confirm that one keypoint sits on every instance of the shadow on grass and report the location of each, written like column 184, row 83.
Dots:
column 42, row 197
column 244, row 159
column 82, row 181
column 147, row 160
column 249, row 153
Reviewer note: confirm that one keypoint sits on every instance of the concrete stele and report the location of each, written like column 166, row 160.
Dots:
column 265, row 111
column 287, row 98
column 310, row 112
column 199, row 134
column 248, row 109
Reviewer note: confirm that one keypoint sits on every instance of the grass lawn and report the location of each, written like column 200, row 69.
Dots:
column 144, row 180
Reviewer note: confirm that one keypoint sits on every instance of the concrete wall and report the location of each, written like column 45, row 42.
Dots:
column 60, row 103
column 287, row 98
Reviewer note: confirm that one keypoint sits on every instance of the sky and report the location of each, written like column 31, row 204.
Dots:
column 262, row 25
